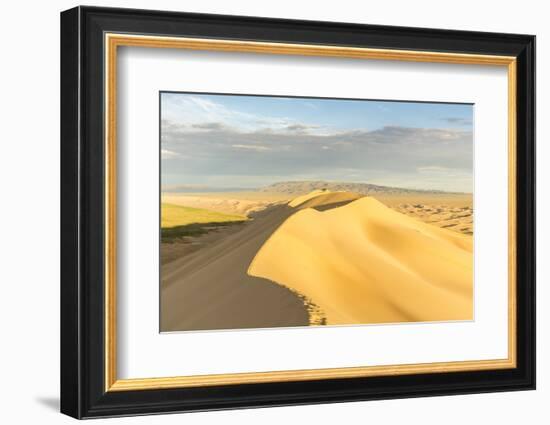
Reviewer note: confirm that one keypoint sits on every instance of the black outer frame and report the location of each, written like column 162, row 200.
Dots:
column 82, row 206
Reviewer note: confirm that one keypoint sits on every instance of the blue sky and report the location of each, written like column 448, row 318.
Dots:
column 252, row 141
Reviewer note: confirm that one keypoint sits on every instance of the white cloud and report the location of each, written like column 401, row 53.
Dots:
column 167, row 154
column 257, row 148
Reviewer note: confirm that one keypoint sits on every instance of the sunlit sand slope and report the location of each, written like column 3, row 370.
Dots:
column 365, row 263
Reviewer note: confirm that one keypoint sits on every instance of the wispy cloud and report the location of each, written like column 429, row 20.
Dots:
column 204, row 114
column 458, row 121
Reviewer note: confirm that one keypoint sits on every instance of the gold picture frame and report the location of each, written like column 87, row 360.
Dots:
column 114, row 41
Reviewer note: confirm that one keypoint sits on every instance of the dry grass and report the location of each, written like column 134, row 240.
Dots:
column 179, row 221
column 178, row 215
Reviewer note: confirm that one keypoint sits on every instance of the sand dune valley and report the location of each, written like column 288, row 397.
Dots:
column 314, row 253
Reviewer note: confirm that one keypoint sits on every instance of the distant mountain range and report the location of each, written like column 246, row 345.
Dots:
column 188, row 188
column 302, row 187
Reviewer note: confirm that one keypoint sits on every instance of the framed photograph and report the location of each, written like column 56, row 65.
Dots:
column 261, row 212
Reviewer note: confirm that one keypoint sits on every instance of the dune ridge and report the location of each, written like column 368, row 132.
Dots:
column 366, row 263
column 324, row 199
column 304, row 198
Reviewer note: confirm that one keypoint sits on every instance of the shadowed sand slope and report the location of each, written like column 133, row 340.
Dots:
column 210, row 289
column 365, row 263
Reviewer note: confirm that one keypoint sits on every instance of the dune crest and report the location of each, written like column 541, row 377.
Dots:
column 304, row 198
column 327, row 200
column 366, row 263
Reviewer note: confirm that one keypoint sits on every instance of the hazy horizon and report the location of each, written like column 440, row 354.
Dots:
column 247, row 142
column 198, row 188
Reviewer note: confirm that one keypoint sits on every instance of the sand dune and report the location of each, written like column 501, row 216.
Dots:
column 209, row 288
column 366, row 263
column 323, row 258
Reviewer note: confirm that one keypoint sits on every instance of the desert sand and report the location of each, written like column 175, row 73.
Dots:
column 449, row 211
column 324, row 257
column 456, row 218
column 209, row 288
column 243, row 203
column 366, row 263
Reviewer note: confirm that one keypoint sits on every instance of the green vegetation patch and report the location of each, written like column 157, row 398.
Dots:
column 178, row 221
